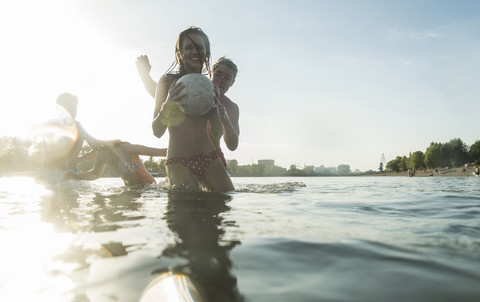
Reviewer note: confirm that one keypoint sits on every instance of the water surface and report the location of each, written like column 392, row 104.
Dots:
column 273, row 239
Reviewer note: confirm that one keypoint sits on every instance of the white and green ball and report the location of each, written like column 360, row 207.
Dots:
column 200, row 94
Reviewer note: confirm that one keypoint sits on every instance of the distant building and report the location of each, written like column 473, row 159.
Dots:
column 325, row 170
column 268, row 163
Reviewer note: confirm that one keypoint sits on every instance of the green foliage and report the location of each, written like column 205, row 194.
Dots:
column 457, row 153
column 394, row 164
column 433, row 156
column 452, row 154
column 251, row 170
column 403, row 165
column 474, row 153
column 417, row 160
column 155, row 166
column 15, row 157
column 232, row 166
column 294, row 171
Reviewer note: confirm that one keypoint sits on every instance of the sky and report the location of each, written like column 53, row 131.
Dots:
column 319, row 82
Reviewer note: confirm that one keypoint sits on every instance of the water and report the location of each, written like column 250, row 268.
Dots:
column 273, row 239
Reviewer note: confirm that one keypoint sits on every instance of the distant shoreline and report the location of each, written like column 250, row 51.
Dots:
column 441, row 172
column 453, row 172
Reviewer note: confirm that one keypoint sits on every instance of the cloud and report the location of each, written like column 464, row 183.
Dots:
column 398, row 34
column 425, row 35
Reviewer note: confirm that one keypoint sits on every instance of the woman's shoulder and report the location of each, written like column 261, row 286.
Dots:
column 167, row 80
column 169, row 77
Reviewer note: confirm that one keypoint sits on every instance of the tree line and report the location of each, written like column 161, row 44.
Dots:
column 18, row 156
column 454, row 153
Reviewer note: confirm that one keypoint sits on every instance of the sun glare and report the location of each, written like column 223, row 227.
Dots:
column 53, row 48
column 29, row 246
column 171, row 287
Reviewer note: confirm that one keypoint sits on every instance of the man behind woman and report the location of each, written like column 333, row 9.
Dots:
column 194, row 156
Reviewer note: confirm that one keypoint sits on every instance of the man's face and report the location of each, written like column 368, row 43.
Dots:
column 222, row 77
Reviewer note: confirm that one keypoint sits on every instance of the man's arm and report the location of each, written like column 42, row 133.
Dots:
column 216, row 127
column 231, row 128
column 215, row 122
column 143, row 68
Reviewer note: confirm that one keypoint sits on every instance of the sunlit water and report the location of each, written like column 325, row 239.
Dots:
column 273, row 239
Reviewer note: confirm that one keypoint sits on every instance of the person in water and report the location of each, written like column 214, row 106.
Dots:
column 122, row 159
column 62, row 139
column 192, row 158
column 223, row 75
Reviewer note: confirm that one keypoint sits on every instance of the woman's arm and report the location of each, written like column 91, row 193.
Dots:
column 161, row 93
column 167, row 108
column 144, row 150
column 159, row 126
column 88, row 156
column 93, row 174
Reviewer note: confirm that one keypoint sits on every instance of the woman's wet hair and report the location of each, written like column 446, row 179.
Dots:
column 205, row 57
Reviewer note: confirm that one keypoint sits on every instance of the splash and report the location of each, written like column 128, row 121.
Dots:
column 285, row 187
column 56, row 137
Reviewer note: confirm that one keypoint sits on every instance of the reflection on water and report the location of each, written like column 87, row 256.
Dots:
column 196, row 218
column 321, row 239
column 122, row 239
column 94, row 212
